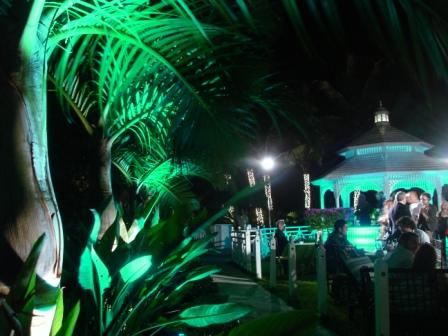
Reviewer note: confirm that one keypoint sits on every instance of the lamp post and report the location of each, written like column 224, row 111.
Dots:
column 268, row 164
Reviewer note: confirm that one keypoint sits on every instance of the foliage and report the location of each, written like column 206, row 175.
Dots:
column 205, row 315
column 19, row 304
column 159, row 86
column 320, row 219
column 141, row 285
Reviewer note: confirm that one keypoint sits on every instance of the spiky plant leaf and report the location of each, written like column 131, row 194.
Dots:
column 69, row 323
column 58, row 315
column 205, row 315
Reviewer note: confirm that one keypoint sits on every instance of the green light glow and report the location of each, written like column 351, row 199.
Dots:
column 136, row 268
column 205, row 315
column 361, row 237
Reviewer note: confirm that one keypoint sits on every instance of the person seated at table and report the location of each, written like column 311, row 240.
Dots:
column 425, row 258
column 337, row 245
column 406, row 224
column 280, row 237
column 403, row 255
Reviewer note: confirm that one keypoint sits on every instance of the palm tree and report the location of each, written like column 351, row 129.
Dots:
column 159, row 88
column 161, row 78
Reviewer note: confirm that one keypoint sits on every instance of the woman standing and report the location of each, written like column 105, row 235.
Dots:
column 442, row 227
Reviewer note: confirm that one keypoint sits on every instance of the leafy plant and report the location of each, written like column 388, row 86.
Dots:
column 320, row 219
column 18, row 306
column 141, row 285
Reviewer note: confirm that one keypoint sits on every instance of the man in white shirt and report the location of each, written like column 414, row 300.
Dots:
column 403, row 255
column 415, row 205
column 406, row 224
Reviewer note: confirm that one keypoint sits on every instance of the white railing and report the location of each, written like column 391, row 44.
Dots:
column 247, row 253
column 298, row 233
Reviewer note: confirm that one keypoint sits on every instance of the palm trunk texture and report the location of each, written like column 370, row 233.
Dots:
column 29, row 207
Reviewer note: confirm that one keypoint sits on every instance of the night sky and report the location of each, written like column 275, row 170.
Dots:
column 331, row 93
column 338, row 89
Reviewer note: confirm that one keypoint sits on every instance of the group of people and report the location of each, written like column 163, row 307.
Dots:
column 419, row 209
column 409, row 226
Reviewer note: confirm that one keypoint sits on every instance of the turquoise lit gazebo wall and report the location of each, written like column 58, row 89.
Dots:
column 384, row 159
column 429, row 181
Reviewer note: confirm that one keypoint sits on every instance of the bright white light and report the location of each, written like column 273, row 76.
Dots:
column 267, row 163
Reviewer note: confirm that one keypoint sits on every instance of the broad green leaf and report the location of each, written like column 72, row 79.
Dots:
column 199, row 274
column 96, row 227
column 202, row 272
column 69, row 323
column 205, row 315
column 135, row 269
column 21, row 288
column 59, row 314
column 102, row 272
column 85, row 276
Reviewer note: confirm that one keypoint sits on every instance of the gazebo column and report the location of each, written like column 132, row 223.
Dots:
column 345, row 199
column 337, row 194
column 387, row 187
column 322, row 197
column 440, row 199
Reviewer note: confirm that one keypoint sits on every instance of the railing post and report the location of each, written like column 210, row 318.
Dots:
column 292, row 272
column 322, row 288
column 247, row 252
column 242, row 250
column 382, row 325
column 232, row 243
column 258, row 255
column 273, row 264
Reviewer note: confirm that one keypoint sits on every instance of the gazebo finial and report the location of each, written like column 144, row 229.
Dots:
column 381, row 115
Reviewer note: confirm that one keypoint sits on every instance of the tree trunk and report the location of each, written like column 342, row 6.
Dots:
column 107, row 209
column 29, row 204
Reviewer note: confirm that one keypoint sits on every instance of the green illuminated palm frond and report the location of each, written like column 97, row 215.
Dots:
column 158, row 174
column 171, row 50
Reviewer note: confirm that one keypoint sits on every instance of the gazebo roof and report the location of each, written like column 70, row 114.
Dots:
column 386, row 161
column 384, row 149
column 385, row 134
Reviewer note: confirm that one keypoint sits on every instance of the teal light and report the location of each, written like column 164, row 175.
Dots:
column 399, row 148
column 369, row 150
column 362, row 237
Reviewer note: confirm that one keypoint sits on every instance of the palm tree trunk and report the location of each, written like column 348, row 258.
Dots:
column 30, row 207
column 107, row 208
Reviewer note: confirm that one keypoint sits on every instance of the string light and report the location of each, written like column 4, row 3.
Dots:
column 258, row 211
column 356, row 198
column 260, row 218
column 307, row 190
column 251, row 177
column 227, row 177
column 267, row 191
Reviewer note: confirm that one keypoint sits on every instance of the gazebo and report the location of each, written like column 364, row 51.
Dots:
column 383, row 159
